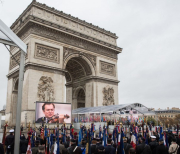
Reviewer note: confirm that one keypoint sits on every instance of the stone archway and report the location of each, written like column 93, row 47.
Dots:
column 78, row 69
column 68, row 50
column 81, row 98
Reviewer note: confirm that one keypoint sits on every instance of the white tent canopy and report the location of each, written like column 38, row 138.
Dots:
column 114, row 108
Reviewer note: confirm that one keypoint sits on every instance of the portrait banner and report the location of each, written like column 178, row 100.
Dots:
column 52, row 112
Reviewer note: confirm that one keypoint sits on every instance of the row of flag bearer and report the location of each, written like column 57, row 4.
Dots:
column 61, row 140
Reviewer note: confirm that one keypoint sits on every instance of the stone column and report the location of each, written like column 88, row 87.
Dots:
column 69, row 94
column 89, row 101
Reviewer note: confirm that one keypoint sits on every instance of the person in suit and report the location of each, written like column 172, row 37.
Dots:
column 9, row 142
column 1, row 148
column 98, row 142
column 127, row 146
column 74, row 148
column 161, row 148
column 93, row 146
column 36, row 148
column 109, row 149
column 153, row 144
column 23, row 144
column 143, row 148
column 48, row 110
column 62, row 147
column 49, row 116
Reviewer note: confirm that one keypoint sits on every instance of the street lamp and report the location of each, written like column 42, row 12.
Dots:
column 8, row 37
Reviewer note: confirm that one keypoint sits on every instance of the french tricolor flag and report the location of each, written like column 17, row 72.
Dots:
column 133, row 141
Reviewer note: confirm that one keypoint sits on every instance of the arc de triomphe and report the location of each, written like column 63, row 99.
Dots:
column 66, row 57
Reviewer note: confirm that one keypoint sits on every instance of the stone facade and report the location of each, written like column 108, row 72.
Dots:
column 68, row 60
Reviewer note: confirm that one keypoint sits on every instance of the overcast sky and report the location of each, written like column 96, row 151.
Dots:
column 149, row 33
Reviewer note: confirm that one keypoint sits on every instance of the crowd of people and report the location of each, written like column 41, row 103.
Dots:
column 144, row 145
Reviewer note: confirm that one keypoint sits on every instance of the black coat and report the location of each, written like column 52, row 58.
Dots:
column 10, row 141
column 40, row 120
column 143, row 149
column 23, row 145
column 110, row 148
column 77, row 151
column 100, row 149
column 153, row 145
column 93, row 148
column 178, row 140
column 1, row 149
column 98, row 144
column 127, row 146
column 161, row 149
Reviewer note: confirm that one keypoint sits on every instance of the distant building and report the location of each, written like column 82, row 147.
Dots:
column 2, row 112
column 165, row 113
column 2, row 118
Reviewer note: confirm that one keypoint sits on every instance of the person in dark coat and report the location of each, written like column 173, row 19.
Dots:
column 1, row 149
column 100, row 149
column 129, row 139
column 98, row 142
column 83, row 146
column 157, row 136
column 23, row 144
column 93, row 146
column 36, row 148
column 161, row 148
column 127, row 146
column 109, row 148
column 142, row 148
column 9, row 142
column 74, row 149
column 170, row 137
column 153, row 144
column 177, row 139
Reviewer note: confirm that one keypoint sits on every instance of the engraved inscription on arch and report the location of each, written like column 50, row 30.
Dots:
column 46, row 53
column 107, row 68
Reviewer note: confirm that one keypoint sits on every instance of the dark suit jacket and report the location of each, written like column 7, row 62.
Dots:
column 153, row 145
column 161, row 149
column 143, row 148
column 1, row 149
column 110, row 148
column 10, row 141
column 40, row 120
column 93, row 148
column 127, row 146
column 77, row 151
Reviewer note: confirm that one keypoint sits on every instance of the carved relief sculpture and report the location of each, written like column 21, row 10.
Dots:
column 108, row 98
column 46, row 53
column 45, row 89
column 107, row 68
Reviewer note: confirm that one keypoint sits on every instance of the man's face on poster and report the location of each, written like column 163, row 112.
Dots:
column 48, row 110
